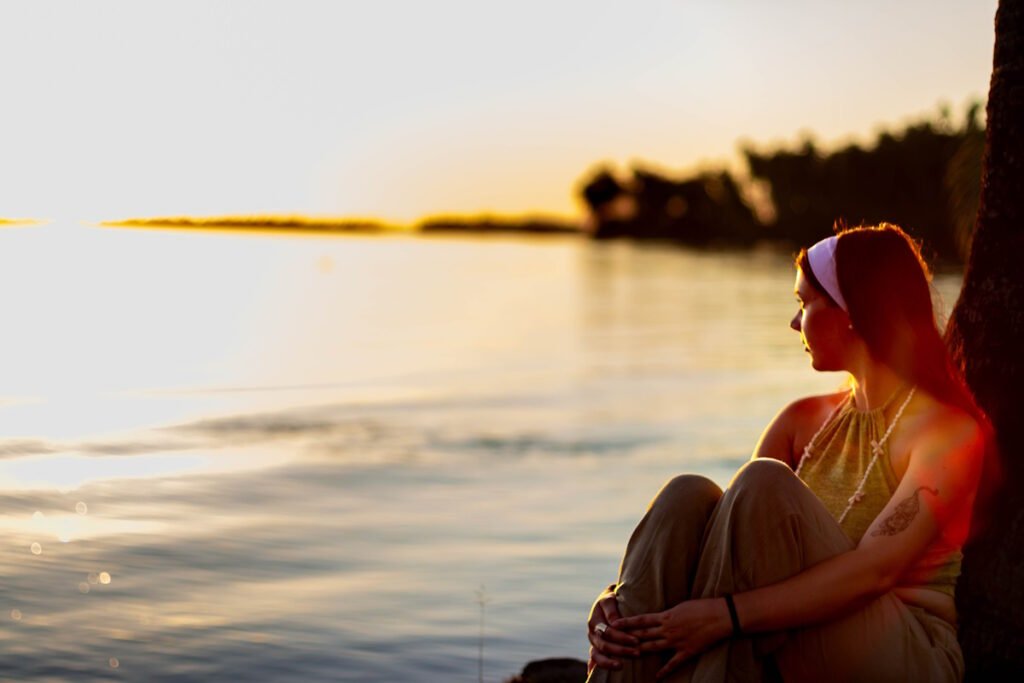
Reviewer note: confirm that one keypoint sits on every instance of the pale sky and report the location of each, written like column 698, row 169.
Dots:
column 398, row 109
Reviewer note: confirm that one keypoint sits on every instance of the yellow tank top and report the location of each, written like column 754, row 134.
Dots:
column 839, row 455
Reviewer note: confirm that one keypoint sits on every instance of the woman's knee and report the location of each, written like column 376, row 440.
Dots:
column 686, row 492
column 765, row 482
column 763, row 474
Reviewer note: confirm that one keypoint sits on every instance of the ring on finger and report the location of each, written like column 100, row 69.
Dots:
column 601, row 628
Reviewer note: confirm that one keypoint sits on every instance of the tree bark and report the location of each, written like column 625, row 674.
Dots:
column 986, row 335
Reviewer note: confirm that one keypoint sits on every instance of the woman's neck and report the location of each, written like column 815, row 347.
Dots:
column 873, row 384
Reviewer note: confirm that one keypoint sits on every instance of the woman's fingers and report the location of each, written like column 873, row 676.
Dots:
column 677, row 659
column 656, row 645
column 608, row 611
column 614, row 635
column 602, row 661
column 599, row 612
column 600, row 642
column 645, row 634
column 637, row 622
column 610, row 605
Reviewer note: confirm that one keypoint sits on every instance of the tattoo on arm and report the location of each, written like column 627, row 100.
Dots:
column 903, row 515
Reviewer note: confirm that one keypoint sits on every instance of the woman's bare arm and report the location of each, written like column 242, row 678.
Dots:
column 939, row 485
column 779, row 439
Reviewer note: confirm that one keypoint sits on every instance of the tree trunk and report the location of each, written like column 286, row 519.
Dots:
column 986, row 334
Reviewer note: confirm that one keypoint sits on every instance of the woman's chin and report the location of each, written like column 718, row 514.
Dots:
column 822, row 366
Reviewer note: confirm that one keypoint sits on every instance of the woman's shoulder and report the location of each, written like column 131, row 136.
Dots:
column 944, row 443
column 936, row 421
column 810, row 407
column 794, row 425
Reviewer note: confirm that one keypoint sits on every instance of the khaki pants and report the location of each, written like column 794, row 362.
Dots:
column 696, row 542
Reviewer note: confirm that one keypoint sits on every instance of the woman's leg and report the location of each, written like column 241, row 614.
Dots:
column 884, row 641
column 658, row 567
column 769, row 526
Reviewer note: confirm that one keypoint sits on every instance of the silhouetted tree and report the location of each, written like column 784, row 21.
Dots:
column 602, row 189
column 610, row 204
column 702, row 210
column 963, row 184
column 986, row 333
column 924, row 177
column 903, row 178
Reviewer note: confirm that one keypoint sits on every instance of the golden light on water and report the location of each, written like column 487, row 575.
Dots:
column 65, row 472
column 234, row 431
column 107, row 313
column 71, row 527
column 68, row 472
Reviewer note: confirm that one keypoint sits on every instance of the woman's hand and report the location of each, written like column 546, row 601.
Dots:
column 612, row 643
column 689, row 628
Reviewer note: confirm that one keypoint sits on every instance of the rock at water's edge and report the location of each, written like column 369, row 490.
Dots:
column 558, row 670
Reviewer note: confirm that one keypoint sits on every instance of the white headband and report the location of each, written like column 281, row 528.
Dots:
column 822, row 257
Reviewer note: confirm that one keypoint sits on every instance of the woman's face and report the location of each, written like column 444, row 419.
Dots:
column 823, row 327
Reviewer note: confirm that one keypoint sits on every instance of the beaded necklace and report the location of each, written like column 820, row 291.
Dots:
column 876, row 446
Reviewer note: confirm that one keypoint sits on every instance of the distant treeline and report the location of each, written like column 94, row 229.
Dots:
column 255, row 222
column 300, row 223
column 924, row 177
column 490, row 224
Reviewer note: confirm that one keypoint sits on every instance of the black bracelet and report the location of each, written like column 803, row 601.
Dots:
column 736, row 630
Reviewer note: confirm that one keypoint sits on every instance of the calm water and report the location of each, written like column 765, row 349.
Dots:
column 249, row 457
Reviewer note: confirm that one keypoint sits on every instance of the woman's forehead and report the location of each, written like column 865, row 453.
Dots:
column 802, row 287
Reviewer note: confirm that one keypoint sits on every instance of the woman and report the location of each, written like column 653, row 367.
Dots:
column 834, row 553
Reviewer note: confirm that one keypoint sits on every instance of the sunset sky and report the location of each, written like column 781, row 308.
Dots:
column 400, row 109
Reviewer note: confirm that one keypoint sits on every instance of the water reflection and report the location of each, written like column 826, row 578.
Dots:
column 300, row 472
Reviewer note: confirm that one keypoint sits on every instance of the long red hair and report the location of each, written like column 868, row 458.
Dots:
column 887, row 287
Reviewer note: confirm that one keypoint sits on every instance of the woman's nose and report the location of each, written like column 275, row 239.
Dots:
column 795, row 322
